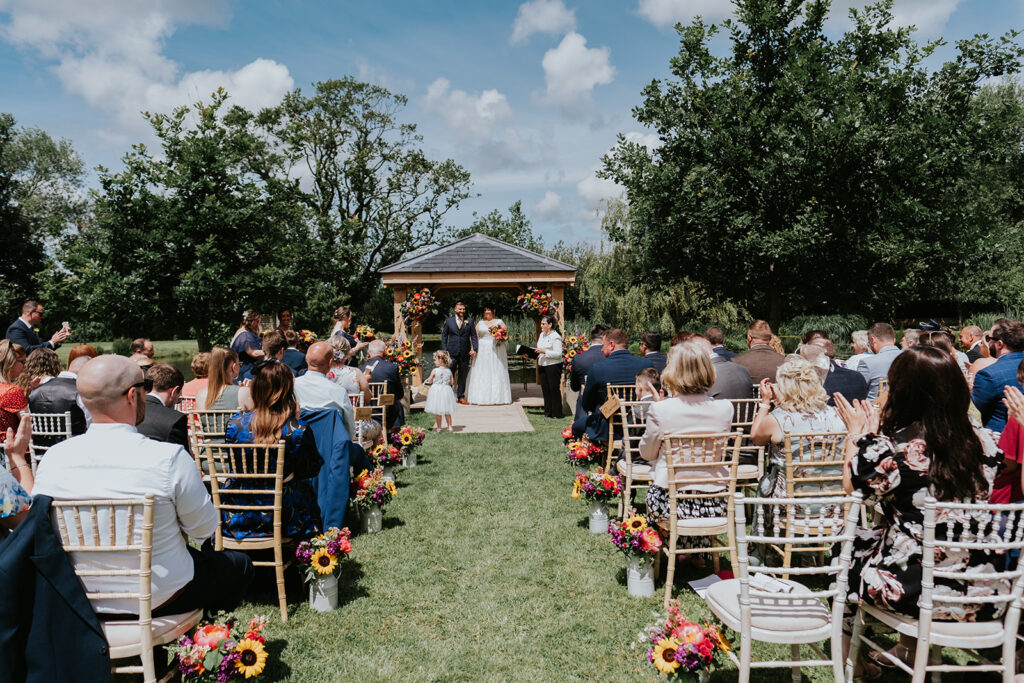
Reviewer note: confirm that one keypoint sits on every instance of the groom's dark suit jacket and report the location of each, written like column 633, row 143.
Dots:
column 458, row 341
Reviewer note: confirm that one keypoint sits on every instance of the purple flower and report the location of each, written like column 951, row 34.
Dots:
column 227, row 670
column 688, row 655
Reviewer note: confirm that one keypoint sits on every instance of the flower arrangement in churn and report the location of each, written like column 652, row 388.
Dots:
column 401, row 352
column 634, row 537
column 536, row 301
column 320, row 555
column 418, row 305
column 408, row 438
column 384, row 455
column 365, row 333
column 372, row 489
column 680, row 648
column 222, row 650
column 581, row 452
column 572, row 346
column 500, row 333
column 597, row 486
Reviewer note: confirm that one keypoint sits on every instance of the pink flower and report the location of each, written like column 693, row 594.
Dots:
column 916, row 457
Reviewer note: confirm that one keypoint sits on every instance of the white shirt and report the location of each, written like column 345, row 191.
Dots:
column 854, row 361
column 551, row 344
column 314, row 391
column 115, row 461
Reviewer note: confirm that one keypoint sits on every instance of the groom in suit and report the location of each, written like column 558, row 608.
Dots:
column 458, row 338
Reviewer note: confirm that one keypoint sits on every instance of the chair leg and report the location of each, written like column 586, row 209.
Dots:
column 670, row 571
column 282, row 599
column 744, row 676
column 715, row 555
column 148, row 665
column 855, row 634
column 794, row 654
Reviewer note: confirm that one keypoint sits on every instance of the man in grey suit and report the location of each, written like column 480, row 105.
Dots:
column 882, row 340
column 732, row 380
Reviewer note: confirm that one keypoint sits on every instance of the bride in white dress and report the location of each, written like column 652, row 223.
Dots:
column 488, row 378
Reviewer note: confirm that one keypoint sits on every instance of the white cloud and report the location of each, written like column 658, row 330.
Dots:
column 663, row 13
column 469, row 114
column 110, row 52
column 929, row 16
column 571, row 71
column 595, row 191
column 542, row 16
column 550, row 206
column 649, row 140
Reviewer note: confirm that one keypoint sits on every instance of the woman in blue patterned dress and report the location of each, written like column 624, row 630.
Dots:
column 16, row 484
column 246, row 342
column 275, row 418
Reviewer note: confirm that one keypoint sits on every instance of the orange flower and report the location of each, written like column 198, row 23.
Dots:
column 210, row 635
column 687, row 632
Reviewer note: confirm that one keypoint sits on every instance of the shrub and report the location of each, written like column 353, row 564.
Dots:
column 122, row 347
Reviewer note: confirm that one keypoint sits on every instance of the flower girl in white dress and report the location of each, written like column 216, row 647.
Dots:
column 441, row 397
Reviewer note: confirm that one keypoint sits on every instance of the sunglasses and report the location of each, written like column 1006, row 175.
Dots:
column 146, row 384
column 989, row 339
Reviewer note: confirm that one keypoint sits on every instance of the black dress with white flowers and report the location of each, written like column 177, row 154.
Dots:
column 886, row 569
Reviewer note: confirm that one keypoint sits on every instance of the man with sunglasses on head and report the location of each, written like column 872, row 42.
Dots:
column 113, row 460
column 1006, row 344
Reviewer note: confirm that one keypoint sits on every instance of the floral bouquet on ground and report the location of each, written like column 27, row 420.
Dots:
column 222, row 650
column 634, row 538
column 500, row 333
column 567, row 435
column 536, row 301
column 365, row 333
column 681, row 648
column 407, row 438
column 597, row 486
column 372, row 489
column 581, row 452
column 385, row 456
column 401, row 352
column 418, row 305
column 573, row 345
column 320, row 555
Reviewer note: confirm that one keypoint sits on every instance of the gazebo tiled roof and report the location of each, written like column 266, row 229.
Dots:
column 477, row 254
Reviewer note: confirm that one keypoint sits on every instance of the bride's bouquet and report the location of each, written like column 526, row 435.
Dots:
column 500, row 333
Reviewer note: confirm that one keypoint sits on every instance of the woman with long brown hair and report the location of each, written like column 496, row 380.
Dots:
column 221, row 392
column 921, row 444
column 41, row 366
column 275, row 417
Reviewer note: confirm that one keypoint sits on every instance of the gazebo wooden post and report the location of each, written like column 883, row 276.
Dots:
column 399, row 320
column 558, row 293
column 416, row 337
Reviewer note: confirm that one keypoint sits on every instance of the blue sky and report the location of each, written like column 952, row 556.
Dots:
column 527, row 96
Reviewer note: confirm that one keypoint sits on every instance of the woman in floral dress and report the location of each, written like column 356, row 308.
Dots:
column 922, row 444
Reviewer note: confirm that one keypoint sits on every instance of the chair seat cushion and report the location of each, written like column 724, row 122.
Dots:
column 767, row 612
column 639, row 470
column 947, row 629
column 747, row 472
column 696, row 523
column 123, row 637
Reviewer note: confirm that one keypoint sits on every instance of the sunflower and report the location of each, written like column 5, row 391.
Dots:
column 407, row 353
column 576, row 489
column 636, row 523
column 323, row 562
column 391, row 488
column 252, row 659
column 665, row 655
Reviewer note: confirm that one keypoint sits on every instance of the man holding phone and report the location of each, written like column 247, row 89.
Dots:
column 23, row 330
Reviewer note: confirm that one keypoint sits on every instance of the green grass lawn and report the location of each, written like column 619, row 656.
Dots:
column 485, row 570
column 172, row 349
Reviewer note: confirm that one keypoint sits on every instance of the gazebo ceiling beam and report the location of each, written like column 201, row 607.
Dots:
column 479, row 279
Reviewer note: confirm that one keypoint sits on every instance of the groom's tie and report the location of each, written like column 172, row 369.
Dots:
column 460, row 322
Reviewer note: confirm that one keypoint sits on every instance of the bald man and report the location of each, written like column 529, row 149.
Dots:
column 113, row 460
column 315, row 391
column 972, row 340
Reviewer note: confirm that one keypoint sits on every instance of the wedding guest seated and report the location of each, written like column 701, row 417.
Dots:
column 246, row 342
column 294, row 358
column 79, row 351
column 23, row 330
column 221, row 392
column 16, row 480
column 761, row 360
column 861, row 348
column 1007, row 486
column 142, row 349
column 112, row 460
column 1006, row 343
column 275, row 417
column 922, row 444
column 314, row 390
column 273, row 345
column 689, row 375
column 162, row 422
column 201, row 369
column 680, row 337
column 910, row 337
column 732, row 380
column 12, row 398
column 717, row 339
column 650, row 348
column 581, row 366
column 380, row 370
column 801, row 406
column 41, row 366
column 941, row 340
column 648, row 390
column 874, row 368
column 775, row 343
column 972, row 339
column 345, row 374
column 618, row 367
column 849, row 383
column 60, row 395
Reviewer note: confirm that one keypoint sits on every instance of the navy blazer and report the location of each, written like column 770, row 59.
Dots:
column 296, row 360
column 458, row 341
column 620, row 367
column 850, row 383
column 385, row 371
column 989, row 384
column 19, row 333
column 581, row 366
column 659, row 360
column 43, row 607
column 725, row 353
column 335, row 447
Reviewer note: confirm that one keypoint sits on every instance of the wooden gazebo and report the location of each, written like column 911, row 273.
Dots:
column 476, row 263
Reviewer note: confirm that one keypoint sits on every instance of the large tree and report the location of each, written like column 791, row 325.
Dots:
column 802, row 172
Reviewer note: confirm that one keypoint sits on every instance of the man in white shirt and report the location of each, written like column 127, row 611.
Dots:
column 314, row 391
column 112, row 460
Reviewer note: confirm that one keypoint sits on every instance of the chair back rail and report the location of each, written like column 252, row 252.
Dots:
column 814, row 463
column 633, row 417
column 185, row 404
column 623, row 392
column 48, row 429
column 377, row 409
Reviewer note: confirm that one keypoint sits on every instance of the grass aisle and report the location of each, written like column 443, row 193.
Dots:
column 484, row 571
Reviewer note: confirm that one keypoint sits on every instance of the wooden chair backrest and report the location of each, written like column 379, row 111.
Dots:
column 53, row 427
column 185, row 404
column 632, row 416
column 214, row 423
column 706, row 459
column 743, row 412
column 376, row 389
column 814, row 464
column 259, row 466
column 379, row 411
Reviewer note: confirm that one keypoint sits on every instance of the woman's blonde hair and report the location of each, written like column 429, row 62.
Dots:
column 689, row 370
column 798, row 386
column 776, row 345
column 442, row 358
column 10, row 353
column 342, row 349
column 219, row 372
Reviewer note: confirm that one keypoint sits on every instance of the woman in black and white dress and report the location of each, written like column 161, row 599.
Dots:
column 549, row 362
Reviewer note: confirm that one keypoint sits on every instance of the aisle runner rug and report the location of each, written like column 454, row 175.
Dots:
column 470, row 419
